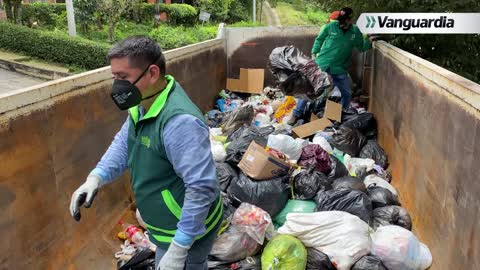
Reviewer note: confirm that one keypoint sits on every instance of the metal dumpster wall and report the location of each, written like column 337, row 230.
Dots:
column 52, row 135
column 429, row 124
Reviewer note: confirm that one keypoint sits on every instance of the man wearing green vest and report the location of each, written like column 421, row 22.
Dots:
column 165, row 144
column 332, row 52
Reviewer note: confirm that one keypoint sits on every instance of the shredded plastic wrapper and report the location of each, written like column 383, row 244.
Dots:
column 253, row 221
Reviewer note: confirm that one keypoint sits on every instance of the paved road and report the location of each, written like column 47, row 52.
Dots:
column 12, row 80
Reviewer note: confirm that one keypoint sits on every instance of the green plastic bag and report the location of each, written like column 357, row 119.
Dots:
column 294, row 206
column 284, row 252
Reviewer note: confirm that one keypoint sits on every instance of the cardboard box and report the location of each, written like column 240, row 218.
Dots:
column 250, row 81
column 311, row 128
column 333, row 111
column 258, row 164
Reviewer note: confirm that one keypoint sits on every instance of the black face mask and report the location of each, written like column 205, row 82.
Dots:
column 125, row 94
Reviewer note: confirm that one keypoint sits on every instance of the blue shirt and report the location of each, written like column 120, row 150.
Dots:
column 187, row 144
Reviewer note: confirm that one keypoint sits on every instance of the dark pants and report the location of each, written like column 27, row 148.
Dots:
column 342, row 82
column 197, row 255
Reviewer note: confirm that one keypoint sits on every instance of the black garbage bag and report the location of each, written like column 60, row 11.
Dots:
column 314, row 155
column 225, row 175
column 364, row 122
column 381, row 197
column 338, row 169
column 228, row 208
column 369, row 262
column 144, row 259
column 352, row 201
column 296, row 74
column 349, row 182
column 348, row 140
column 237, row 148
column 214, row 118
column 373, row 150
column 236, row 119
column 320, row 80
column 309, row 182
column 270, row 195
column 391, row 215
column 317, row 260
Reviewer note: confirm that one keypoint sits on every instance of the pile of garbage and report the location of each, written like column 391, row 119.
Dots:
column 295, row 200
column 323, row 201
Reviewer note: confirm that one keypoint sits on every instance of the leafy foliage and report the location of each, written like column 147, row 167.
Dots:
column 174, row 37
column 52, row 46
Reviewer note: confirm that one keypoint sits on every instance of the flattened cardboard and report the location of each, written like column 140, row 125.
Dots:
column 250, row 81
column 333, row 111
column 311, row 128
column 313, row 117
column 258, row 164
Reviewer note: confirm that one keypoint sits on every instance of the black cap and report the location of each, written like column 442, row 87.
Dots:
column 345, row 13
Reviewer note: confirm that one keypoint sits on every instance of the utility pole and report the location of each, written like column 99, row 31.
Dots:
column 254, row 10
column 72, row 29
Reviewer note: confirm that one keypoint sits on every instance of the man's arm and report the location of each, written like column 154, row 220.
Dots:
column 115, row 160
column 187, row 145
column 317, row 45
column 362, row 44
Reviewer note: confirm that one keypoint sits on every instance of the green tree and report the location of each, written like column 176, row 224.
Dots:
column 218, row 8
column 84, row 13
column 113, row 10
column 12, row 9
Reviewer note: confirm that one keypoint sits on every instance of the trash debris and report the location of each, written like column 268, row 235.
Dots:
column 399, row 249
column 296, row 74
column 365, row 123
column 349, row 182
column 320, row 140
column 314, row 155
column 214, row 118
column 352, row 201
column 237, row 118
column 374, row 180
column 286, row 108
column 373, row 150
column 343, row 237
column 284, row 252
column 253, row 221
column 287, row 145
column 261, row 163
column 317, row 260
column 294, row 206
column 369, row 263
column 233, row 246
column 307, row 183
column 237, row 148
column 225, row 175
column 381, row 197
column 391, row 215
column 358, row 166
column 348, row 140
column 270, row 195
column 140, row 219
column 338, row 169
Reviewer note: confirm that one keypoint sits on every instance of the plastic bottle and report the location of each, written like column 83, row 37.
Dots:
column 135, row 234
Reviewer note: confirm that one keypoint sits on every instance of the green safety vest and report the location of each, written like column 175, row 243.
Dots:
column 159, row 192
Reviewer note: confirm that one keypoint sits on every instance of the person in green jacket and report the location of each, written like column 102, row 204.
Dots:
column 332, row 52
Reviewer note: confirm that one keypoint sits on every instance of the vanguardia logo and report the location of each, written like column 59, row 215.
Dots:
column 370, row 21
column 419, row 23
column 407, row 24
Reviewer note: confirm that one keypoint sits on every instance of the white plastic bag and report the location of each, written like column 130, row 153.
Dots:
column 342, row 236
column 253, row 221
column 292, row 148
column 218, row 151
column 355, row 164
column 399, row 249
column 320, row 140
column 374, row 180
column 262, row 120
